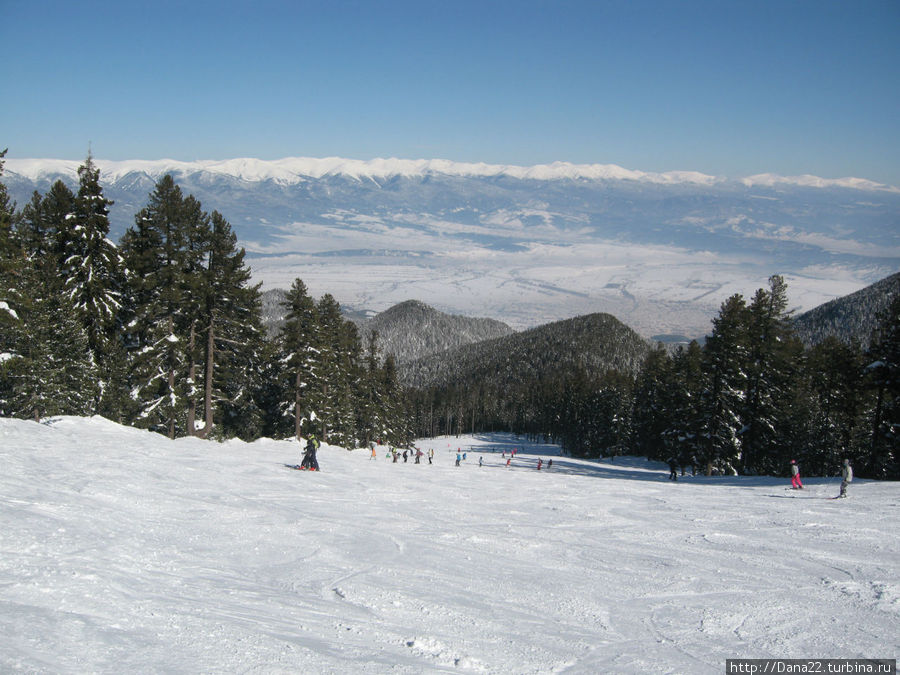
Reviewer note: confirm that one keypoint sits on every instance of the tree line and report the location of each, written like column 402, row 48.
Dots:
column 748, row 400
column 163, row 331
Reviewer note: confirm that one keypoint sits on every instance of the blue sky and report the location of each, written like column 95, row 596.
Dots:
column 725, row 87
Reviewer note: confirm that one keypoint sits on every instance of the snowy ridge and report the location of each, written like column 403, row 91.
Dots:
column 293, row 170
column 773, row 180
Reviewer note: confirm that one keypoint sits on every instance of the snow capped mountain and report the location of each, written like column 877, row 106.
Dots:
column 524, row 245
column 292, row 170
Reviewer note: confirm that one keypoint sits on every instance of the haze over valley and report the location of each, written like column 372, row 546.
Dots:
column 525, row 245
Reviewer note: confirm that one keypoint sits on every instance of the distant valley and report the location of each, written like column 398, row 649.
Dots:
column 525, row 246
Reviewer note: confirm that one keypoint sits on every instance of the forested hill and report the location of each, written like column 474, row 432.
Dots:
column 593, row 343
column 413, row 330
column 410, row 330
column 849, row 317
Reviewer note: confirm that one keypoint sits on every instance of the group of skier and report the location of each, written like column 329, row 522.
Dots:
column 846, row 477
column 311, row 463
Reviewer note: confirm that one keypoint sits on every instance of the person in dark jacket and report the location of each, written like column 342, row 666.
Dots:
column 673, row 468
column 310, row 462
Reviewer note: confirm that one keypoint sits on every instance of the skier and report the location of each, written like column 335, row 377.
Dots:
column 405, row 456
column 549, row 464
column 540, row 462
column 419, row 454
column 430, row 455
column 509, row 459
column 374, row 455
column 481, row 461
column 458, row 458
column 796, row 484
column 846, row 477
column 673, row 468
column 310, row 463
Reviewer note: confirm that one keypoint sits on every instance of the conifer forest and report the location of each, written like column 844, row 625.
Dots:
column 163, row 331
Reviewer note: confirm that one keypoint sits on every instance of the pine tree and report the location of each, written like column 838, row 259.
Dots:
column 13, row 270
column 53, row 373
column 720, row 404
column 154, row 252
column 229, row 320
column 653, row 410
column 834, row 394
column 882, row 458
column 298, row 355
column 771, row 370
column 338, row 363
column 57, row 214
column 372, row 422
column 93, row 274
column 684, row 395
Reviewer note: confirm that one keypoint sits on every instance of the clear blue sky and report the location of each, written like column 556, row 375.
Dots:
column 725, row 87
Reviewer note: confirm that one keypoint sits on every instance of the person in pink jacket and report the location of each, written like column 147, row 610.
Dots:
column 795, row 475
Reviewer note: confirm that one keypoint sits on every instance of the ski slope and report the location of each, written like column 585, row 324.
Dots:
column 122, row 551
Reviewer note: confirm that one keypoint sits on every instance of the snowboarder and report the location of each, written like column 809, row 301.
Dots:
column 796, row 483
column 481, row 461
column 310, row 463
column 549, row 464
column 846, row 477
column 405, row 456
column 673, row 468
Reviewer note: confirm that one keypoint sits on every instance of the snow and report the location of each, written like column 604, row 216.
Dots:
column 123, row 551
column 5, row 307
column 293, row 170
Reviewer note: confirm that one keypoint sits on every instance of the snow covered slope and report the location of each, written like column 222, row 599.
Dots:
column 125, row 552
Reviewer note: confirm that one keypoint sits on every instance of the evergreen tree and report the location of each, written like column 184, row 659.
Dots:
column 721, row 401
column 653, row 408
column 298, row 355
column 154, row 252
column 53, row 373
column 12, row 302
column 33, row 231
column 338, row 363
column 373, row 422
column 58, row 215
column 229, row 320
column 834, row 390
column 771, row 370
column 94, row 278
column 882, row 458
column 684, row 396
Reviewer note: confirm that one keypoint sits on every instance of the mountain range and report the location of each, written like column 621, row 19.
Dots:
column 525, row 245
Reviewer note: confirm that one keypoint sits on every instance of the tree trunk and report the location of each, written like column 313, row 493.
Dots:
column 208, row 389
column 297, row 413
column 192, row 401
